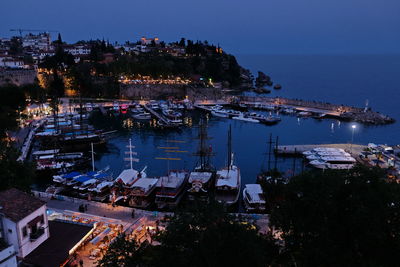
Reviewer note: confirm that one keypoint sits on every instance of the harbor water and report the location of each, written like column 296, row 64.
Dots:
column 346, row 79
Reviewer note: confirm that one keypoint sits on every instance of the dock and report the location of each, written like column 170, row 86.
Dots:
column 28, row 141
column 343, row 112
column 160, row 117
column 297, row 150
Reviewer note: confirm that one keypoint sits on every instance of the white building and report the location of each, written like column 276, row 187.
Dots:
column 77, row 50
column 8, row 256
column 23, row 221
column 40, row 41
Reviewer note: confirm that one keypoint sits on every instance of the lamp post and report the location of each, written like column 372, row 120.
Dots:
column 353, row 127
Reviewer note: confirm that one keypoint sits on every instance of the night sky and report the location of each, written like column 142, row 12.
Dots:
column 245, row 27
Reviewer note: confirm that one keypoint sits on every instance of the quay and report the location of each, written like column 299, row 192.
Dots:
column 155, row 114
column 297, row 150
column 363, row 115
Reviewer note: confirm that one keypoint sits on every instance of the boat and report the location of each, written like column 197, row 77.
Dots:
column 323, row 149
column 264, row 119
column 54, row 165
column 304, row 114
column 220, row 113
column 142, row 116
column 241, row 117
column 228, row 179
column 170, row 189
column 201, row 179
column 141, row 193
column 333, row 162
column 171, row 114
column 253, row 198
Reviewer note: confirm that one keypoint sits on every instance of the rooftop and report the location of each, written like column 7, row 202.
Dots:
column 16, row 204
column 54, row 251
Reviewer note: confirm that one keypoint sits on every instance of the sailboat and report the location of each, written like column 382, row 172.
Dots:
column 201, row 179
column 125, row 180
column 228, row 180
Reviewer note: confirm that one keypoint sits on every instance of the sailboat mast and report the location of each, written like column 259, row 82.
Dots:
column 91, row 144
column 130, row 153
column 230, row 147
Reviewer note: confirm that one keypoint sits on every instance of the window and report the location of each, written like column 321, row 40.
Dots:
column 24, row 231
column 10, row 231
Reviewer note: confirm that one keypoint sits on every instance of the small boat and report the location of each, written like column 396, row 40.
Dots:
column 170, row 189
column 304, row 114
column 220, row 113
column 142, row 116
column 241, row 117
column 141, row 193
column 253, row 198
column 228, row 179
column 171, row 114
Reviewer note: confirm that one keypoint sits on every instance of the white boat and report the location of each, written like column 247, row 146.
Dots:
column 141, row 192
column 241, row 117
column 323, row 150
column 142, row 116
column 220, row 113
column 170, row 189
column 228, row 179
column 253, row 198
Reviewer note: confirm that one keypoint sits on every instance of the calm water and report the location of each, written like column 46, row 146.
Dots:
column 337, row 79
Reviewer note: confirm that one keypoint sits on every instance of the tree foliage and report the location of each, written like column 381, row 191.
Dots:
column 348, row 218
column 204, row 235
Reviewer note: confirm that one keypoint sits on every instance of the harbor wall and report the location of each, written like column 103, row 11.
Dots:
column 163, row 91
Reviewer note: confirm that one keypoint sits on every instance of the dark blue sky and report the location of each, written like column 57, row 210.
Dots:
column 241, row 27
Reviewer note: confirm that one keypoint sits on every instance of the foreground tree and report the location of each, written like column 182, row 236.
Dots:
column 202, row 236
column 348, row 218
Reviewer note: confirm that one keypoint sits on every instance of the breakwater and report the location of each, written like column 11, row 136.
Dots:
column 349, row 113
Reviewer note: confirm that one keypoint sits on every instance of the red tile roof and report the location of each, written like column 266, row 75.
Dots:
column 16, row 204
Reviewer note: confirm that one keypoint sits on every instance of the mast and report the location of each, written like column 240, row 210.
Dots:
column 204, row 152
column 230, row 147
column 92, row 156
column 131, row 159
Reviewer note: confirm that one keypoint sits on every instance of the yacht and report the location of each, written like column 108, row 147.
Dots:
column 253, row 198
column 142, row 116
column 220, row 113
column 241, row 117
column 170, row 189
column 333, row 162
column 323, row 150
column 141, row 192
column 228, row 179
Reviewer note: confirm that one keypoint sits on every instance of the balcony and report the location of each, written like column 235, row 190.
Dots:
column 34, row 236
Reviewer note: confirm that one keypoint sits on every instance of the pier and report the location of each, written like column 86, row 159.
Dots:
column 28, row 141
column 343, row 112
column 160, row 117
column 297, row 150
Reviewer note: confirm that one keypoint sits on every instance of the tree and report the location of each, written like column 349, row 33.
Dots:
column 12, row 172
column 340, row 218
column 121, row 252
column 205, row 235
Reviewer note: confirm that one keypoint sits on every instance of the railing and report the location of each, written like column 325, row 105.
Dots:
column 34, row 236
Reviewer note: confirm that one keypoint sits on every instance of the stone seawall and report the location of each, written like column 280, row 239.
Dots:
column 163, row 91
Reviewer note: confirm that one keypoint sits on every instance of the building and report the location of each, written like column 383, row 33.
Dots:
column 77, row 50
column 149, row 41
column 8, row 256
column 40, row 41
column 24, row 223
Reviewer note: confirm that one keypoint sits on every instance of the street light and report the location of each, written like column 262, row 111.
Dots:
column 353, row 127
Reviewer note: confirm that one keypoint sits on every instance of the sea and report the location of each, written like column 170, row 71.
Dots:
column 357, row 80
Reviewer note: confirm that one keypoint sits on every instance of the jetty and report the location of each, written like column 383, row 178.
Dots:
column 342, row 112
column 160, row 117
